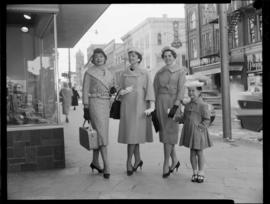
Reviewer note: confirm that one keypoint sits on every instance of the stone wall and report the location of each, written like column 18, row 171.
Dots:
column 39, row 149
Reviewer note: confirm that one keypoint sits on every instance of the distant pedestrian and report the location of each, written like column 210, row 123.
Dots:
column 195, row 133
column 98, row 86
column 137, row 103
column 75, row 98
column 66, row 94
column 169, row 92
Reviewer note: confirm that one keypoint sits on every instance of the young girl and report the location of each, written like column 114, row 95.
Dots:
column 195, row 134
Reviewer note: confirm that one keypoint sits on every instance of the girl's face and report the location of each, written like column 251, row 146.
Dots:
column 193, row 93
column 168, row 58
column 99, row 59
column 133, row 58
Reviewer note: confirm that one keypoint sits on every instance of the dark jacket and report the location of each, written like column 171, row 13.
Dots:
column 75, row 98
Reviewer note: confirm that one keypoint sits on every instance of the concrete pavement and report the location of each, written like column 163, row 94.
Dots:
column 233, row 171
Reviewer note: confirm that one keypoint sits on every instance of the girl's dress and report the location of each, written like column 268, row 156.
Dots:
column 195, row 134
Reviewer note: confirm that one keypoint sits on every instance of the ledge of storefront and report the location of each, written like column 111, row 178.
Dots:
column 32, row 127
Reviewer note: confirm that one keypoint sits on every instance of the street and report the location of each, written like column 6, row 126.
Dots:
column 233, row 171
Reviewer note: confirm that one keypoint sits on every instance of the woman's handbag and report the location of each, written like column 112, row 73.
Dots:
column 115, row 108
column 88, row 137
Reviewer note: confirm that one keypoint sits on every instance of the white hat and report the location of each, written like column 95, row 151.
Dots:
column 168, row 48
column 194, row 83
column 135, row 49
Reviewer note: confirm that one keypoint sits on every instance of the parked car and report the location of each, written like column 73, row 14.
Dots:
column 212, row 97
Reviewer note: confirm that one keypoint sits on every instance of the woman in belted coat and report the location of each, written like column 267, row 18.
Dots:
column 66, row 94
column 98, row 86
column 137, row 103
column 169, row 92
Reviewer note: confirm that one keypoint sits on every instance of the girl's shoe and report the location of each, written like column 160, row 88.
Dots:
column 139, row 165
column 194, row 178
column 200, row 179
column 176, row 167
column 95, row 167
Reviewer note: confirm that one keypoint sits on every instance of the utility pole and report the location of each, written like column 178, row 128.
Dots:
column 225, row 82
column 69, row 72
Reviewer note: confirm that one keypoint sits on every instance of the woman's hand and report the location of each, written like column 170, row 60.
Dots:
column 149, row 111
column 172, row 111
column 126, row 90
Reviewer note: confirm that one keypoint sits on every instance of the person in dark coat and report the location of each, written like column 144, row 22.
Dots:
column 75, row 98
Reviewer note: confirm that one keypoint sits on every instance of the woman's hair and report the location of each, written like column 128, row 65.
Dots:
column 137, row 53
column 173, row 53
column 96, row 51
column 65, row 84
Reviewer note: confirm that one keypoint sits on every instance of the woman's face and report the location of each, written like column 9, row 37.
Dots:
column 133, row 58
column 99, row 59
column 168, row 58
column 193, row 93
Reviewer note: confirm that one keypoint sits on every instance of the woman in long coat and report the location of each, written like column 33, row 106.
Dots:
column 75, row 98
column 137, row 103
column 169, row 92
column 97, row 89
column 66, row 94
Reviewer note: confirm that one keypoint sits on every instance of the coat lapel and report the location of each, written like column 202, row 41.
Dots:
column 106, row 79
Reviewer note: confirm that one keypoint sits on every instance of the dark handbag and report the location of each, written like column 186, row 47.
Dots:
column 155, row 121
column 88, row 137
column 115, row 108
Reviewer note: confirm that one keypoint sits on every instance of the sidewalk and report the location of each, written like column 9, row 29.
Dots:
column 233, row 170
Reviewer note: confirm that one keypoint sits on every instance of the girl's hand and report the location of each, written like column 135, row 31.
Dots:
column 126, row 90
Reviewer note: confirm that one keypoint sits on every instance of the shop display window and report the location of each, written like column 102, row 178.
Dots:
column 30, row 56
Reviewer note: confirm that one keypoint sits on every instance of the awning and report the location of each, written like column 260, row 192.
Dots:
column 214, row 69
column 73, row 20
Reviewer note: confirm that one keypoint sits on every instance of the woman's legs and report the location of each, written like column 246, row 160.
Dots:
column 95, row 159
column 104, row 155
column 130, row 152
column 173, row 156
column 167, row 152
column 193, row 160
column 200, row 161
column 137, row 154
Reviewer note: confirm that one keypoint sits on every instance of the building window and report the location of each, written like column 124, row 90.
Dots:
column 252, row 29
column 208, row 13
column 193, row 49
column 260, row 27
column 183, row 60
column 159, row 40
column 216, row 41
column 192, row 24
column 235, row 36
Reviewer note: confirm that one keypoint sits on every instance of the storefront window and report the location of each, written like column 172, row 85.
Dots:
column 193, row 49
column 252, row 25
column 235, row 36
column 260, row 26
column 31, row 89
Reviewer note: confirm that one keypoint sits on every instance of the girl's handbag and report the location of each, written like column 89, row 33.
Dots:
column 88, row 137
column 115, row 108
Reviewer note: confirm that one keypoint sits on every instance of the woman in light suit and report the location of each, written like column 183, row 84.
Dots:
column 137, row 103
column 98, row 86
column 169, row 92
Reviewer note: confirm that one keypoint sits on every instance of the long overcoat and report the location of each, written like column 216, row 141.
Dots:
column 169, row 90
column 135, row 127
column 66, row 94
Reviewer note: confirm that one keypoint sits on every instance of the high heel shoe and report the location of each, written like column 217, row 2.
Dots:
column 95, row 167
column 106, row 176
column 139, row 165
column 176, row 167
column 129, row 172
column 166, row 174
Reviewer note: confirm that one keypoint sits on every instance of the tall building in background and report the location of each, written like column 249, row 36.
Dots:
column 244, row 41
column 79, row 69
column 152, row 35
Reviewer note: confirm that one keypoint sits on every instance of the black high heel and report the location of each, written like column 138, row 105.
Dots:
column 139, row 165
column 166, row 174
column 176, row 167
column 106, row 176
column 129, row 172
column 95, row 167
